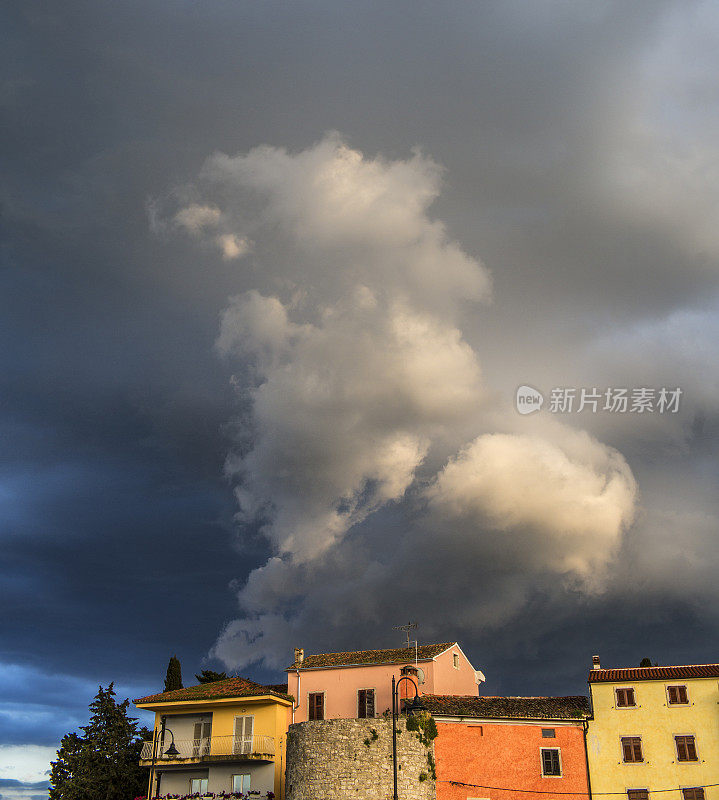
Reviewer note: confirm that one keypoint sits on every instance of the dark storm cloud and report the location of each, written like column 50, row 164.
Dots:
column 577, row 152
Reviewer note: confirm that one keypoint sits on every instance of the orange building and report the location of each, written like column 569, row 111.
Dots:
column 506, row 748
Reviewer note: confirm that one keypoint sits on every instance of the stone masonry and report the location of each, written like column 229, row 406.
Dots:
column 351, row 759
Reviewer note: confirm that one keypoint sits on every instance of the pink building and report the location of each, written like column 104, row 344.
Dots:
column 359, row 683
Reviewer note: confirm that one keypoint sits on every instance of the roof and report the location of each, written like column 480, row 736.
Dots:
column 507, row 707
column 654, row 673
column 351, row 658
column 231, row 687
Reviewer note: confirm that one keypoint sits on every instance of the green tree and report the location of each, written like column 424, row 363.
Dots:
column 173, row 679
column 210, row 676
column 647, row 662
column 102, row 764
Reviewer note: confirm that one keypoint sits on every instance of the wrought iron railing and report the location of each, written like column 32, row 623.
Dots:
column 210, row 746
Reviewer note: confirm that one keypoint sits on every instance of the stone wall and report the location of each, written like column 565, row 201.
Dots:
column 351, row 759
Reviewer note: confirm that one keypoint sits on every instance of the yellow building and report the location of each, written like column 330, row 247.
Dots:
column 654, row 728
column 228, row 736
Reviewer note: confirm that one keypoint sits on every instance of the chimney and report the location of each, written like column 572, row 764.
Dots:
column 595, row 663
column 299, row 655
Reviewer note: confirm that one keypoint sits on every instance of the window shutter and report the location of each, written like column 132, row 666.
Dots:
column 370, row 702
column 627, row 747
column 638, row 750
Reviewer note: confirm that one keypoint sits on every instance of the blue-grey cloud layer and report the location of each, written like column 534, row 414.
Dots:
column 554, row 124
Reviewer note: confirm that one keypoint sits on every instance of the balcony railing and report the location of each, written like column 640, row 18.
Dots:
column 226, row 748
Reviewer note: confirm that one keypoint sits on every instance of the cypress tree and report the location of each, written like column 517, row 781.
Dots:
column 102, row 763
column 173, row 679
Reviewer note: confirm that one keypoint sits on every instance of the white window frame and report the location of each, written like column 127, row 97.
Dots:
column 244, row 737
column 455, row 660
column 696, row 760
column 678, row 705
column 641, row 747
column 693, row 786
column 200, row 790
column 625, row 708
column 324, row 705
column 541, row 762
column 366, row 689
column 242, row 788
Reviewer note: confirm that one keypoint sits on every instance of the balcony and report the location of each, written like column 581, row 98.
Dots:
column 212, row 748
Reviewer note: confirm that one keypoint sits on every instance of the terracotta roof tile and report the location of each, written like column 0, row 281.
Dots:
column 232, row 687
column 400, row 655
column 507, row 707
column 654, row 673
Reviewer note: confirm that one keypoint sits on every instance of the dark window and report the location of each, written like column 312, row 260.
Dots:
column 548, row 733
column 686, row 748
column 365, row 703
column 625, row 698
column 637, row 794
column 550, row 762
column 693, row 793
column 677, row 695
column 632, row 748
column 317, row 705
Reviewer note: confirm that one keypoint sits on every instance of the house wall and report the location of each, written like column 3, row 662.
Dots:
column 262, row 776
column 177, row 781
column 656, row 723
column 507, row 755
column 270, row 719
column 340, row 684
column 448, row 679
column 183, row 725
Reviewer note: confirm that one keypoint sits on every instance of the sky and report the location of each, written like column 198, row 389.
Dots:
column 271, row 276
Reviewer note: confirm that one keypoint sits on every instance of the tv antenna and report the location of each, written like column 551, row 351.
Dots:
column 410, row 626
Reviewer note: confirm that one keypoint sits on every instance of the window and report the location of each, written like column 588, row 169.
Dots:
column 242, row 742
column 365, row 703
column 198, row 786
column 693, row 793
column 455, row 658
column 632, row 749
column 686, row 748
column 637, row 794
column 551, row 764
column 240, row 783
column 548, row 733
column 317, row 705
column 625, row 698
column 677, row 695
column 201, row 741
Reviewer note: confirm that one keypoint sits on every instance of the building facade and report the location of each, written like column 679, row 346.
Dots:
column 510, row 747
column 655, row 729
column 358, row 684
column 228, row 736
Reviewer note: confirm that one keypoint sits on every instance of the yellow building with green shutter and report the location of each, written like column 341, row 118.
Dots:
column 226, row 736
column 654, row 732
